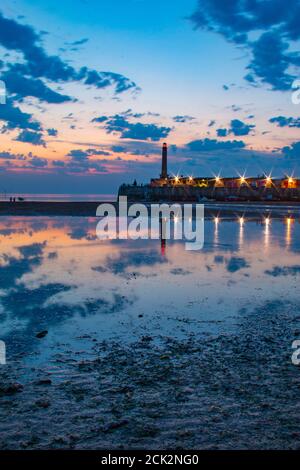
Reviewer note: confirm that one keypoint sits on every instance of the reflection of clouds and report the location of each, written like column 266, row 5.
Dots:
column 35, row 249
column 42, row 306
column 15, row 268
column 283, row 271
column 38, row 225
column 99, row 269
column 179, row 272
column 81, row 232
column 137, row 259
column 234, row 264
column 41, row 310
column 66, row 279
column 7, row 232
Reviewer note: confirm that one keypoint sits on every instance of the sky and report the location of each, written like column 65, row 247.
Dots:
column 93, row 88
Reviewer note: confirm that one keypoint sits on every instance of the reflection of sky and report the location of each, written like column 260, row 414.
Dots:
column 55, row 275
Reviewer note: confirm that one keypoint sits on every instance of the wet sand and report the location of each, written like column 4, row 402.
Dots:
column 224, row 391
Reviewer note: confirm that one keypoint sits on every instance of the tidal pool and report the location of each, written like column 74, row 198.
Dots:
column 145, row 344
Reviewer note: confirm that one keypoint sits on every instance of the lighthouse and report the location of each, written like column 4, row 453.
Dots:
column 164, row 161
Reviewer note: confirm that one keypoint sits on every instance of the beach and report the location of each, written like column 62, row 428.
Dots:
column 89, row 208
column 95, row 360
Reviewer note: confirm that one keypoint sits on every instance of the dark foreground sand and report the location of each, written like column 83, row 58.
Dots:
column 88, row 208
column 237, row 390
column 85, row 208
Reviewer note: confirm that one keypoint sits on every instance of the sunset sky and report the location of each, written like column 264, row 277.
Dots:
column 93, row 88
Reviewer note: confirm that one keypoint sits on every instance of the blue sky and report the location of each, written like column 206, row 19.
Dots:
column 212, row 78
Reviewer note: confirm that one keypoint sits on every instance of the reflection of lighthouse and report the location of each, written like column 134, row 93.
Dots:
column 164, row 163
column 162, row 235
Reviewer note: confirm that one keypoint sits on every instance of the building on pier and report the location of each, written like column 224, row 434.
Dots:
column 194, row 188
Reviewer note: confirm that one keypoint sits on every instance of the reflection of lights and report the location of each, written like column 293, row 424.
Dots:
column 288, row 237
column 267, row 232
column 241, row 237
column 216, row 234
column 176, row 179
column 175, row 218
column 190, row 178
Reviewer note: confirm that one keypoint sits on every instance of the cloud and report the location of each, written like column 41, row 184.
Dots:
column 237, row 128
column 271, row 61
column 34, row 138
column 80, row 161
column 23, row 87
column 17, row 119
column 141, row 131
column 237, row 18
column 118, row 149
column 265, row 28
column 12, row 156
column 58, row 163
column 208, row 145
column 39, row 65
column 52, row 132
column 24, row 39
column 240, row 128
column 235, row 108
column 30, row 161
column 105, row 79
column 119, row 123
column 85, row 166
column 80, row 42
column 222, row 132
column 38, row 162
column 282, row 121
column 100, row 119
column 183, row 118
column 79, row 154
column 137, row 148
column 292, row 151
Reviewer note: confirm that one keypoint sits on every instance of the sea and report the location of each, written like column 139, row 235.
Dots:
column 59, row 197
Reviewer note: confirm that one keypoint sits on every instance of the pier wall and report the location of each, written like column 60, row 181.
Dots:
column 193, row 194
